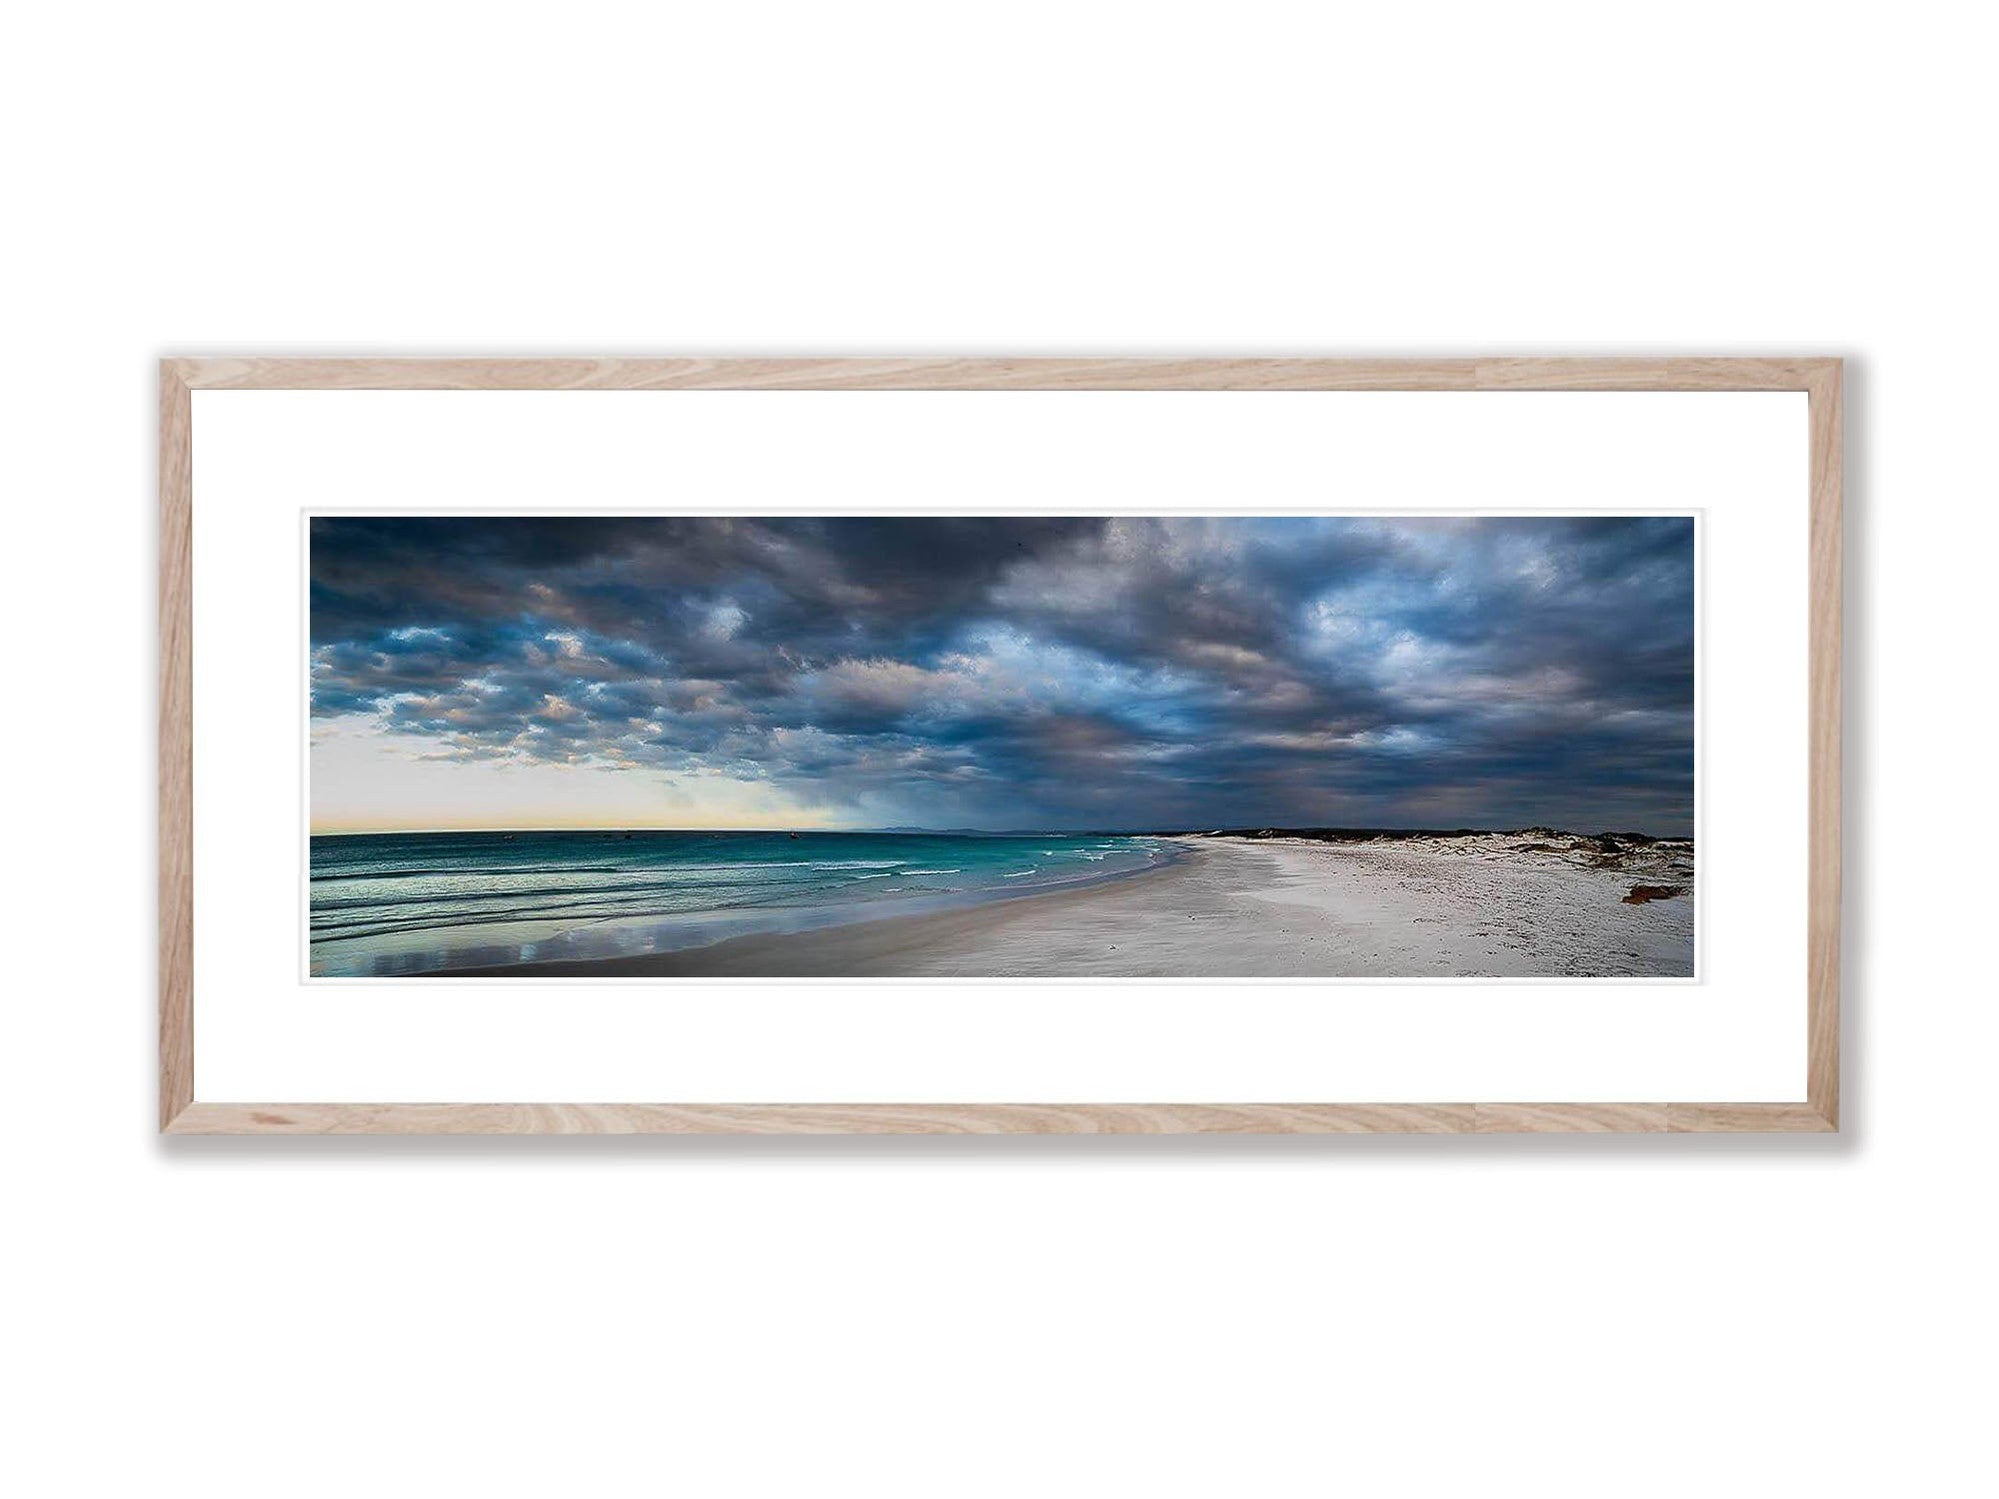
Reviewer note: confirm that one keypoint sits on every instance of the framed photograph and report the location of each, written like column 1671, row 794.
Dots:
column 994, row 745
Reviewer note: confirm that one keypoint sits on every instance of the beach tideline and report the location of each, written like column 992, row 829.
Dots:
column 386, row 905
column 1537, row 905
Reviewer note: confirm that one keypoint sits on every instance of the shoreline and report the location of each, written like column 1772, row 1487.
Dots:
column 847, row 948
column 1450, row 906
column 436, row 908
column 821, row 932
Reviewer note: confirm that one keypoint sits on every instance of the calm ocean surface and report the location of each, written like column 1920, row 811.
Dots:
column 397, row 903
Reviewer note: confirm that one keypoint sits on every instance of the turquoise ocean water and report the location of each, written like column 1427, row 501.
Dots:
column 384, row 904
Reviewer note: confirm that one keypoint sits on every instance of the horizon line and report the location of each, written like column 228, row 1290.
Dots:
column 910, row 829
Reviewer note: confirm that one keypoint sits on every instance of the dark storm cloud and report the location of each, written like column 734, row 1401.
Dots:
column 1019, row 672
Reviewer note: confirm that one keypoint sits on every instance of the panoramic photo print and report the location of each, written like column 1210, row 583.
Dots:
column 1381, row 747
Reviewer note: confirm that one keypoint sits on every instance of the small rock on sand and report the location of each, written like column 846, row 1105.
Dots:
column 1642, row 893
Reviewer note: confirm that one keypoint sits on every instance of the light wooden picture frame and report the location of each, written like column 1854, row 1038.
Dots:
column 182, row 1111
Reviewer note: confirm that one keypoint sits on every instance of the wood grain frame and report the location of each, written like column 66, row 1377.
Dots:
column 180, row 1112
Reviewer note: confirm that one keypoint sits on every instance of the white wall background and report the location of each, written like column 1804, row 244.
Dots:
column 993, row 1317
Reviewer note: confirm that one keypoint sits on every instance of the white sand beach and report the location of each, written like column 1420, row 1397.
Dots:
column 1535, row 904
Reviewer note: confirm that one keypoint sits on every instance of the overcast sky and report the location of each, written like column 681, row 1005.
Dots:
column 1003, row 673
